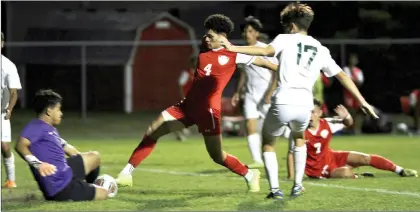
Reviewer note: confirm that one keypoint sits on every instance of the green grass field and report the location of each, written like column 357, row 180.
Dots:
column 180, row 176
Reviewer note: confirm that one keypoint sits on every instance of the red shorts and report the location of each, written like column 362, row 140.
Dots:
column 207, row 120
column 334, row 159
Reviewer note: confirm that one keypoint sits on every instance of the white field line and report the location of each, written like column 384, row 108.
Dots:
column 382, row 191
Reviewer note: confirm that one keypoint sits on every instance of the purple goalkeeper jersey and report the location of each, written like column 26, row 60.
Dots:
column 46, row 145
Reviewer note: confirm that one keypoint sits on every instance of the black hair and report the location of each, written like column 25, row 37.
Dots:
column 317, row 103
column 253, row 22
column 301, row 15
column 45, row 98
column 219, row 23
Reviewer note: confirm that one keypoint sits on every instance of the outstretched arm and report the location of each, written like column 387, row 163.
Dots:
column 348, row 83
column 249, row 50
column 265, row 64
column 253, row 50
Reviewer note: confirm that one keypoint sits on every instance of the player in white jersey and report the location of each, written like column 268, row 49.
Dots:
column 10, row 83
column 253, row 83
column 301, row 59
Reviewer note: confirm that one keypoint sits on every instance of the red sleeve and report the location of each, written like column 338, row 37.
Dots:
column 325, row 80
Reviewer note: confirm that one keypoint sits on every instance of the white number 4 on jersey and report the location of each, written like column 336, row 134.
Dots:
column 207, row 69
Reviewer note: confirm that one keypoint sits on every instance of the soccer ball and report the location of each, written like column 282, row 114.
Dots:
column 109, row 183
column 402, row 128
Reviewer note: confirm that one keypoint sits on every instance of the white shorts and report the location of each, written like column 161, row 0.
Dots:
column 6, row 130
column 296, row 117
column 252, row 109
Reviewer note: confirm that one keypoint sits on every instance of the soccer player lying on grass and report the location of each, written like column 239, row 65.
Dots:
column 202, row 105
column 323, row 162
column 58, row 178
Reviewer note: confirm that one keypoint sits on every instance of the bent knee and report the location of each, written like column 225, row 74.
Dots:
column 101, row 194
column 268, row 147
column 251, row 126
column 5, row 149
column 95, row 156
column 91, row 160
column 348, row 173
column 365, row 159
column 343, row 172
column 5, row 146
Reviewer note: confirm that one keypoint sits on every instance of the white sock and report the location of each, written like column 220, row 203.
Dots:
column 249, row 175
column 398, row 169
column 10, row 167
column 128, row 169
column 254, row 145
column 300, row 163
column 272, row 169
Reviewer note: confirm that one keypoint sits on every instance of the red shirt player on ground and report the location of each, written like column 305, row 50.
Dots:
column 323, row 162
column 202, row 105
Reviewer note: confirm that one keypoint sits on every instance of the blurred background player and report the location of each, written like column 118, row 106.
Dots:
column 10, row 84
column 185, row 82
column 411, row 106
column 318, row 91
column 202, row 105
column 356, row 74
column 323, row 162
column 253, row 84
column 301, row 58
column 40, row 145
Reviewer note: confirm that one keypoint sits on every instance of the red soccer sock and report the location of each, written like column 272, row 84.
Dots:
column 142, row 151
column 232, row 163
column 382, row 163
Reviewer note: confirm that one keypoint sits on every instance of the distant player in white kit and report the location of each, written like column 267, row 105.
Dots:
column 301, row 59
column 10, row 83
column 254, row 82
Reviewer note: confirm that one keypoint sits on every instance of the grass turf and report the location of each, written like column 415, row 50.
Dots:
column 180, row 175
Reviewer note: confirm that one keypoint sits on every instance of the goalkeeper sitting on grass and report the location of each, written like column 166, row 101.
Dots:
column 58, row 178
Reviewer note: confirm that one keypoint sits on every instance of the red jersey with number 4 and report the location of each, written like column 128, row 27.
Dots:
column 318, row 145
column 214, row 70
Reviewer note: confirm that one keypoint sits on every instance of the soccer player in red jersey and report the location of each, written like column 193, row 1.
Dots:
column 411, row 106
column 323, row 162
column 202, row 105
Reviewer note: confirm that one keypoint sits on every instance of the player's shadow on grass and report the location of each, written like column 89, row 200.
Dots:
column 166, row 203
column 262, row 205
column 21, row 202
column 214, row 171
column 193, row 193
